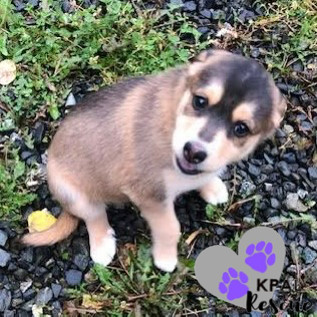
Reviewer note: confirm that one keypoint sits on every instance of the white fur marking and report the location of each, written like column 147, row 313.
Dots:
column 105, row 252
column 166, row 265
column 215, row 192
column 186, row 130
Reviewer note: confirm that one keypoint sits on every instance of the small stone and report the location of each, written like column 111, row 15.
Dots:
column 8, row 313
column 274, row 220
column 206, row 13
column 275, row 203
column 25, row 155
column 56, row 288
column 249, row 220
column 255, row 52
column 292, row 202
column 70, row 101
column 176, row 2
column 291, row 234
column 268, row 187
column 298, row 66
column 254, row 170
column 312, row 172
column 5, row 299
column 288, row 129
column 38, row 132
column 220, row 231
column 3, row 238
column 73, row 277
column 81, row 261
column 309, row 255
column 190, row 6
column 306, row 126
column 302, row 193
column 247, row 188
column 301, row 239
column 289, row 187
column 44, row 296
column 313, row 244
column 289, row 157
column 4, row 258
column 283, row 167
column 29, row 294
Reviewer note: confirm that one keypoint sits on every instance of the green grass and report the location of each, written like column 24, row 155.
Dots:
column 13, row 194
column 136, row 288
column 290, row 27
column 52, row 48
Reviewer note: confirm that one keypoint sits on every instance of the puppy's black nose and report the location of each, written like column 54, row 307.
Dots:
column 194, row 152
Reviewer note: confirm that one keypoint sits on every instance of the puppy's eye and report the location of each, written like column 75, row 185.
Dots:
column 199, row 102
column 241, row 129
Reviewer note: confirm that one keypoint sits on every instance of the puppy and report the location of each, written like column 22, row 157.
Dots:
column 149, row 139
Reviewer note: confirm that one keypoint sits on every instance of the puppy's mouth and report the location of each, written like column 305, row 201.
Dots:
column 187, row 168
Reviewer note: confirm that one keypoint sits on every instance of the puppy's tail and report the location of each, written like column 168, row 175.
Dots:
column 62, row 228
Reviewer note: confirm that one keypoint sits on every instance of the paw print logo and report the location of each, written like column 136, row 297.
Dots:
column 233, row 284
column 260, row 257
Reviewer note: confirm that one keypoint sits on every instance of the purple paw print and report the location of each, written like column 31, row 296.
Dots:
column 259, row 257
column 233, row 285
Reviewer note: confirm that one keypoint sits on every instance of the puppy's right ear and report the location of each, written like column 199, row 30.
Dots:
column 202, row 56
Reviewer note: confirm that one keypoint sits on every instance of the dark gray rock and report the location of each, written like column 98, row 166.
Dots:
column 73, row 277
column 313, row 244
column 206, row 13
column 44, row 296
column 5, row 299
column 3, row 238
column 56, row 288
column 9, row 313
column 312, row 172
column 275, row 203
column 4, row 258
column 38, row 132
column 190, row 6
column 176, row 2
column 81, row 261
column 254, row 170
column 29, row 294
column 309, row 255
column 284, row 168
column 291, row 234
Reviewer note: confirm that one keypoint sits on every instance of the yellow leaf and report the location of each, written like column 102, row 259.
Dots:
column 40, row 220
column 8, row 72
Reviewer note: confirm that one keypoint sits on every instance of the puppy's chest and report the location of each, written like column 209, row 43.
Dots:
column 177, row 183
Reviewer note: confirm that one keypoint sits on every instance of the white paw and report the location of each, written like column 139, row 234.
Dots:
column 215, row 192
column 105, row 252
column 166, row 265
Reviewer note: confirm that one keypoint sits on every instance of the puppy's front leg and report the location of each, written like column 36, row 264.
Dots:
column 165, row 231
column 215, row 192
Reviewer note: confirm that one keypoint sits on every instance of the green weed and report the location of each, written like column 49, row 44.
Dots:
column 52, row 48
column 13, row 194
column 136, row 287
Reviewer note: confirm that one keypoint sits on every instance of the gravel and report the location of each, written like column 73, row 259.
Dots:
column 4, row 258
column 73, row 277
column 3, row 238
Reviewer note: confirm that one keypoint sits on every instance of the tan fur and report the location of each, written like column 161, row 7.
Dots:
column 118, row 146
column 243, row 113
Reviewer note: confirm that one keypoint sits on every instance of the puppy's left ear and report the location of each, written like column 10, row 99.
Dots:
column 279, row 108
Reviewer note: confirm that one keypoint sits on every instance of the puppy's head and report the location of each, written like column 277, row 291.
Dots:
column 230, row 104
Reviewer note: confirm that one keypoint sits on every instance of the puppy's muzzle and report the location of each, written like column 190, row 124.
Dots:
column 194, row 152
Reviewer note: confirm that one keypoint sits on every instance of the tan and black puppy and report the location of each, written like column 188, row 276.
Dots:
column 149, row 139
